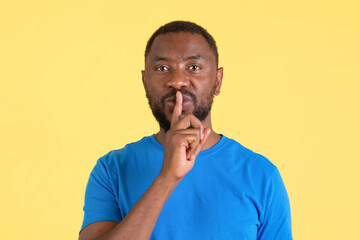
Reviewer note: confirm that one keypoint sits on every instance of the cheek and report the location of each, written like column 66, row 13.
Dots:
column 204, row 88
column 155, row 84
column 151, row 90
column 206, row 95
column 154, row 99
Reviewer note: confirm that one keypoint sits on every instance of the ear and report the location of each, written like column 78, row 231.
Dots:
column 143, row 81
column 143, row 77
column 219, row 77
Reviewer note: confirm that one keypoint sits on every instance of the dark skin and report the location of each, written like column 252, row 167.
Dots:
column 175, row 61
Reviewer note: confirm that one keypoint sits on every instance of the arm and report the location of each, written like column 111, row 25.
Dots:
column 141, row 219
column 182, row 147
column 276, row 221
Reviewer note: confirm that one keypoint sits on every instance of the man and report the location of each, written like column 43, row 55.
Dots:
column 153, row 189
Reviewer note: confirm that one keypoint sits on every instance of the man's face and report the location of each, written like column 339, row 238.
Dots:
column 181, row 62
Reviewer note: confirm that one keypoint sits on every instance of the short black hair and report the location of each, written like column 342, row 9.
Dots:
column 183, row 26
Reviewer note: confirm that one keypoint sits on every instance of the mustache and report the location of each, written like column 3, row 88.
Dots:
column 172, row 94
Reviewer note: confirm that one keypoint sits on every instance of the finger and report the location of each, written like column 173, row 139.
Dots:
column 187, row 121
column 207, row 132
column 188, row 141
column 193, row 143
column 191, row 139
column 175, row 117
column 201, row 144
column 194, row 131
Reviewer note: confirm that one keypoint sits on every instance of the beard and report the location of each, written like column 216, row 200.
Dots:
column 201, row 108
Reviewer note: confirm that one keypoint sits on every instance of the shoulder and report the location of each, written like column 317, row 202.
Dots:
column 116, row 157
column 249, row 160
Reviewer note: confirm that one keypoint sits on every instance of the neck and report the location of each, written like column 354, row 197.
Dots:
column 211, row 141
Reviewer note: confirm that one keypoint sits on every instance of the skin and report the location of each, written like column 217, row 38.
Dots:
column 176, row 61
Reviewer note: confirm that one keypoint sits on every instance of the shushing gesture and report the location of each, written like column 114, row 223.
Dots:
column 183, row 144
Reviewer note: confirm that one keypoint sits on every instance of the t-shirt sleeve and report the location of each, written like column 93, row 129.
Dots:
column 276, row 220
column 100, row 200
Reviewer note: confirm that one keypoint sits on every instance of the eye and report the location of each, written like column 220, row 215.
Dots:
column 162, row 68
column 194, row 68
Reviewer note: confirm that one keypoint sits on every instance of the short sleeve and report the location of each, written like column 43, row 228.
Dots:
column 100, row 201
column 276, row 220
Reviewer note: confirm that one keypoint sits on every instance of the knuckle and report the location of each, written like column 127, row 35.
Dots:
column 175, row 137
column 197, row 132
column 178, row 139
column 189, row 115
column 196, row 137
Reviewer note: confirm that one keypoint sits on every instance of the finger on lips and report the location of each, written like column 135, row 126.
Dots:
column 195, row 136
column 177, row 109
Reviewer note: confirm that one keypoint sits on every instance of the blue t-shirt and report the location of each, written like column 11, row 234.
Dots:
column 230, row 193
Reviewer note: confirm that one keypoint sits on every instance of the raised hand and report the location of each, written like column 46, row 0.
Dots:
column 183, row 144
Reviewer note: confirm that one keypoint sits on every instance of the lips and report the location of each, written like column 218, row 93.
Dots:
column 187, row 101
column 184, row 103
column 173, row 98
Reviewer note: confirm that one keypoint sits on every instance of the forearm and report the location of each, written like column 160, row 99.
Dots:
column 140, row 221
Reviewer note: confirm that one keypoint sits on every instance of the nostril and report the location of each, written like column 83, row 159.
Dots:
column 178, row 84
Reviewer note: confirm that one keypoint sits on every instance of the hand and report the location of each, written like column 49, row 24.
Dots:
column 182, row 144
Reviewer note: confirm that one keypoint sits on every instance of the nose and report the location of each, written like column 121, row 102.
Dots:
column 178, row 79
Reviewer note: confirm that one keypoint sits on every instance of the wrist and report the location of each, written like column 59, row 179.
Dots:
column 167, row 182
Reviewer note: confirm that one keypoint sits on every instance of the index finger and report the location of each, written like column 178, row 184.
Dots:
column 177, row 109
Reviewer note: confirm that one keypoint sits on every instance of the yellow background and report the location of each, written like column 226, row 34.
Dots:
column 71, row 91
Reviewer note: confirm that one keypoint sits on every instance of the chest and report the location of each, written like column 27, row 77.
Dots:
column 209, row 203
column 207, row 212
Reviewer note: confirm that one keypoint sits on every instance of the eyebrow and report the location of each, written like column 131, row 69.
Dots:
column 193, row 57
column 158, row 58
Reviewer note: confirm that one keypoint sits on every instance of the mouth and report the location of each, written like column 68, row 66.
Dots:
column 187, row 101
column 173, row 98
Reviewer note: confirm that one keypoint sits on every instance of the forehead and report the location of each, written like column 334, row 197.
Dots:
column 180, row 45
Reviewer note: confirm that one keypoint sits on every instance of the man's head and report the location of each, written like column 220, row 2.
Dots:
column 183, row 26
column 181, row 56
